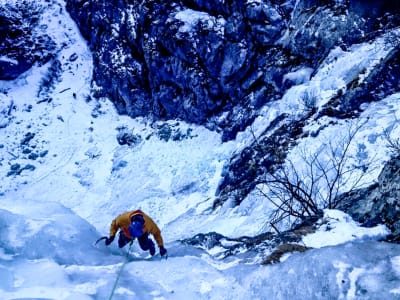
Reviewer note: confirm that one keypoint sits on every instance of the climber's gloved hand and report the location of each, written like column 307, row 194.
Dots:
column 163, row 251
column 109, row 240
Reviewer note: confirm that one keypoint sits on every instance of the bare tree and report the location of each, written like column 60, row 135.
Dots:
column 393, row 144
column 302, row 190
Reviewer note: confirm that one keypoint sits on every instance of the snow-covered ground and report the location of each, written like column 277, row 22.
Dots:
column 64, row 177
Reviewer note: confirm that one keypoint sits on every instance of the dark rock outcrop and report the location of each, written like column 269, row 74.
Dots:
column 21, row 42
column 212, row 63
column 151, row 59
column 379, row 203
column 274, row 245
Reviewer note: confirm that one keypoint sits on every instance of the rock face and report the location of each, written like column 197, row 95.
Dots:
column 379, row 203
column 190, row 60
column 214, row 63
column 21, row 42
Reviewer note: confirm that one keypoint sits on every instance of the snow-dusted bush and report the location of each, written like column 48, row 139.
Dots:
column 303, row 188
column 393, row 144
column 50, row 78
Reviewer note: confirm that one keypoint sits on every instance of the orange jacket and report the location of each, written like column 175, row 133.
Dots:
column 124, row 220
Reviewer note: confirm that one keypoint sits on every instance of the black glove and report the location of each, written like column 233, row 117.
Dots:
column 163, row 251
column 109, row 240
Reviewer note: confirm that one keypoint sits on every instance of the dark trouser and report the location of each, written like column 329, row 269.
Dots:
column 144, row 242
column 123, row 239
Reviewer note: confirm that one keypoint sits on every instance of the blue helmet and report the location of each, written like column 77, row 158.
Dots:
column 136, row 226
column 136, row 229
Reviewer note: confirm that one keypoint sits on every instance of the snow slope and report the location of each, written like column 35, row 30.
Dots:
column 64, row 177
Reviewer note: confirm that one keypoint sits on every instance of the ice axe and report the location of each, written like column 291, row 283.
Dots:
column 102, row 238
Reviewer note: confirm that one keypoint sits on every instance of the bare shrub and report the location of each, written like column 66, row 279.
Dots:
column 309, row 99
column 393, row 144
column 301, row 191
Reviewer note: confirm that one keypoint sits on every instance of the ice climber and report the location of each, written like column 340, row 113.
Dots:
column 136, row 224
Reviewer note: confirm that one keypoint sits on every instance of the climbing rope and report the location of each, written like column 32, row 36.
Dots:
column 120, row 271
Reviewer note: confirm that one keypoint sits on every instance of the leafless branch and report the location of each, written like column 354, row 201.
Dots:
column 298, row 192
